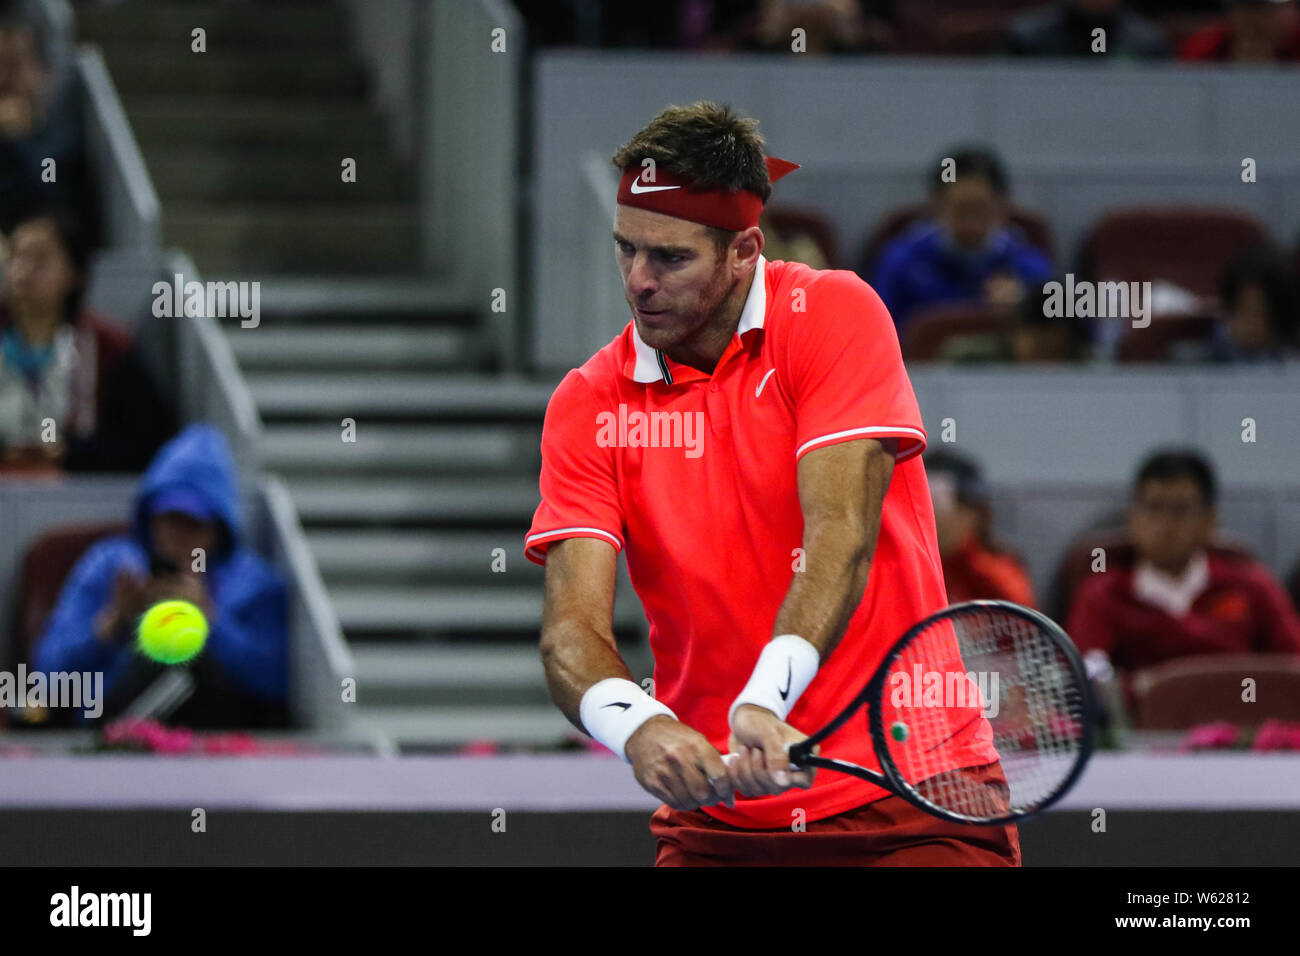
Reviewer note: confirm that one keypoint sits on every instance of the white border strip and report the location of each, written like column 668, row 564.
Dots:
column 567, row 533
column 898, row 430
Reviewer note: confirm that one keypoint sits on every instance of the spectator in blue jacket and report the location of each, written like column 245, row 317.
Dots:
column 968, row 252
column 184, row 543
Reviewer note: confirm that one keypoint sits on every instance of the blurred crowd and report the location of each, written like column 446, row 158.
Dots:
column 970, row 276
column 77, row 397
column 1239, row 31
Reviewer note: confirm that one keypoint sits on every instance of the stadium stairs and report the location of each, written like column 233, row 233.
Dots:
column 244, row 144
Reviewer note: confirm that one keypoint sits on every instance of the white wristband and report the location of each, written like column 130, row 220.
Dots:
column 613, row 709
column 783, row 672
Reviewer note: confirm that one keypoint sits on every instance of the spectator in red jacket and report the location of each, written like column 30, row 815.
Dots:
column 74, row 395
column 973, row 565
column 1254, row 31
column 1181, row 596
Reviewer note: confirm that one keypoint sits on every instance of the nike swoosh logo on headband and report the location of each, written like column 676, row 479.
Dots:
column 637, row 188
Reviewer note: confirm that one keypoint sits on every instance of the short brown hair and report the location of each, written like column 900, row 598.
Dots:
column 709, row 144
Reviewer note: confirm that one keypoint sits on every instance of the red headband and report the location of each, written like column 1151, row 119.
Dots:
column 730, row 209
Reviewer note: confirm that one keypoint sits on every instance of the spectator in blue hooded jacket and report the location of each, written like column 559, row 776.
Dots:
column 185, row 543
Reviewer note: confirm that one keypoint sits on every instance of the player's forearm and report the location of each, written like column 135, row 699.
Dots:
column 575, row 657
column 823, row 596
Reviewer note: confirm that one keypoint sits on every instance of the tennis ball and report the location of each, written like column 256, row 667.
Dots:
column 899, row 731
column 172, row 632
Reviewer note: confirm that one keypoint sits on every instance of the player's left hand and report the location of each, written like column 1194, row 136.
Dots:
column 762, row 741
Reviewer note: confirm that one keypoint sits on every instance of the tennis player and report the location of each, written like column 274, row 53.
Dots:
column 752, row 442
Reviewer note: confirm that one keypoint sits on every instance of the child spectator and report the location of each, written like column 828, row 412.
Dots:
column 61, row 363
column 968, row 252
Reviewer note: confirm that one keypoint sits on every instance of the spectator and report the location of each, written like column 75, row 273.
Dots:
column 1033, row 336
column 973, row 565
column 63, row 363
column 1181, row 596
column 968, row 252
column 1067, row 28
column 188, row 500
column 40, row 122
column 1252, row 31
column 1259, row 309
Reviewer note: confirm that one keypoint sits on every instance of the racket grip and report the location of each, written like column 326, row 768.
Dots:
column 795, row 749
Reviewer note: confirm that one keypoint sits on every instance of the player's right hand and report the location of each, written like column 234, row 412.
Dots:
column 678, row 765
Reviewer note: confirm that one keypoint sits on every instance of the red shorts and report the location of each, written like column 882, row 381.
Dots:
column 888, row 832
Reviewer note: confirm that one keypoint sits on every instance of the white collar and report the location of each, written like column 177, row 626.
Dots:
column 649, row 367
column 1173, row 594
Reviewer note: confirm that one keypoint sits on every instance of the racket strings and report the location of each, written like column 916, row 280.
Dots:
column 998, row 724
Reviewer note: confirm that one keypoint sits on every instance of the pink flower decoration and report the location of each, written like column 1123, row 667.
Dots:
column 1217, row 736
column 1277, row 735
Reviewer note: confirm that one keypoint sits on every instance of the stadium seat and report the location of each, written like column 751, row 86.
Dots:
column 1189, row 246
column 1154, row 343
column 927, row 333
column 1182, row 693
column 1034, row 227
column 790, row 219
column 46, row 565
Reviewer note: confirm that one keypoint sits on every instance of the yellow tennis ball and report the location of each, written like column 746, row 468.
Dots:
column 172, row 632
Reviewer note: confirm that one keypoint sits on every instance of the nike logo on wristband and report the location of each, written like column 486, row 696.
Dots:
column 619, row 703
column 789, row 675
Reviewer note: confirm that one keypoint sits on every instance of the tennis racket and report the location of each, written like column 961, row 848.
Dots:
column 980, row 714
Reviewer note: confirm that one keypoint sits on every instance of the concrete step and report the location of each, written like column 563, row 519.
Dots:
column 281, row 173
column 390, row 449
column 335, row 394
column 139, row 68
column 256, row 239
column 335, row 347
column 375, row 609
column 434, row 675
column 281, row 25
column 539, row 725
column 403, row 501
column 413, row 299
column 357, row 554
column 341, row 126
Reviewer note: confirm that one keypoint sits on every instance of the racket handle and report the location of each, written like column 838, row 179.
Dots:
column 729, row 759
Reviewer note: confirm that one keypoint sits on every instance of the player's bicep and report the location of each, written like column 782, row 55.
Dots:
column 580, row 577
column 843, row 486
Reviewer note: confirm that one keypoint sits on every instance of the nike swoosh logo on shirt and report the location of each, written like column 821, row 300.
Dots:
column 637, row 188
column 759, row 391
column 789, row 674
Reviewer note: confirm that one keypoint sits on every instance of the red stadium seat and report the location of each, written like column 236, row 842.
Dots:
column 1187, row 245
column 792, row 220
column 1034, row 227
column 1182, row 693
column 1153, row 343
column 45, row 567
column 927, row 333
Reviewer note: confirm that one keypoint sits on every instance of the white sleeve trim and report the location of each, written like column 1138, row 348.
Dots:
column 566, row 533
column 897, row 430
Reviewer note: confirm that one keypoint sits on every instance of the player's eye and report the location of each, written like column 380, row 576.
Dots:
column 625, row 248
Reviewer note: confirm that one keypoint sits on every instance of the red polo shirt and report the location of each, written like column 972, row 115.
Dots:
column 695, row 475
